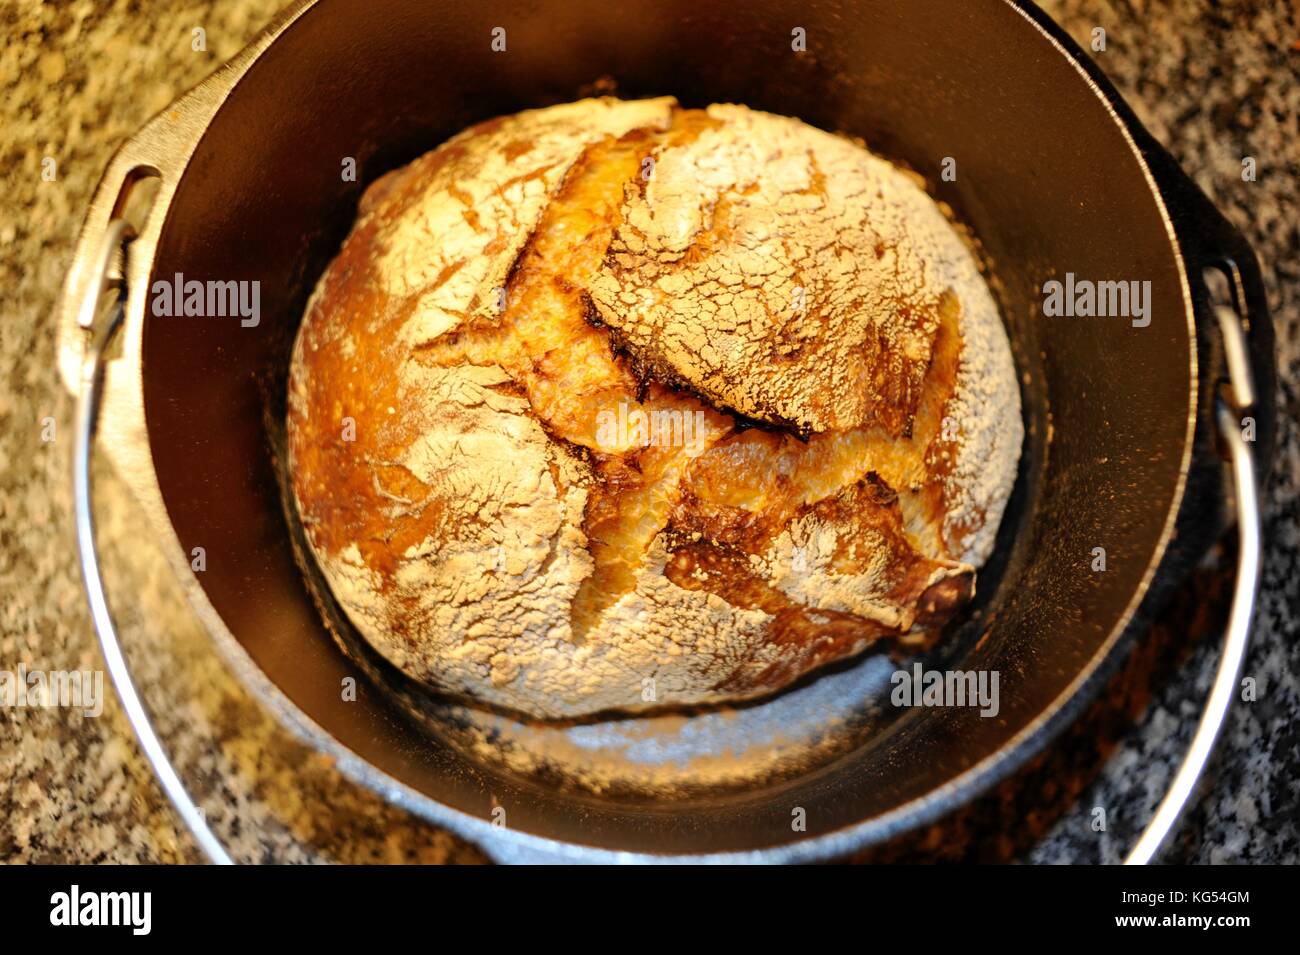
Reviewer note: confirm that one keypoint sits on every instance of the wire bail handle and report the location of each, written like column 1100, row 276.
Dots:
column 108, row 275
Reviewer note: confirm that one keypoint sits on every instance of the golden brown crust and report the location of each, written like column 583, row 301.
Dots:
column 548, row 500
column 762, row 266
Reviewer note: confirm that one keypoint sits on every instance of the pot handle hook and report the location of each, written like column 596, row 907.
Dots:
column 1231, row 405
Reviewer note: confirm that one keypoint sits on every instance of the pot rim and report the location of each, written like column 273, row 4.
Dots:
column 166, row 145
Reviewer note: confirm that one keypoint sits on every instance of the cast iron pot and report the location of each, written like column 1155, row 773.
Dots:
column 1054, row 175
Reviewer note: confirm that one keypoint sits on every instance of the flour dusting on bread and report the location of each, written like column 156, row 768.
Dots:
column 650, row 407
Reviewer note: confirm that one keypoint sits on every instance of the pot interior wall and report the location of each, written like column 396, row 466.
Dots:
column 1045, row 178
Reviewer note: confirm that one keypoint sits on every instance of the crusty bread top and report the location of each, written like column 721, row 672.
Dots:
column 465, row 446
column 782, row 272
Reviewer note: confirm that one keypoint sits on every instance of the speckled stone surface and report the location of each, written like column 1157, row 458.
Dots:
column 1213, row 82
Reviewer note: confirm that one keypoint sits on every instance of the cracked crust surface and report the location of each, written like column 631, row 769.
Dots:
column 523, row 402
column 767, row 244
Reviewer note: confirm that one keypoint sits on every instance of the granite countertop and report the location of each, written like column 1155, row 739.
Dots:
column 1215, row 83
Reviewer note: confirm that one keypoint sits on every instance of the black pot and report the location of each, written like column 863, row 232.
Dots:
column 1054, row 175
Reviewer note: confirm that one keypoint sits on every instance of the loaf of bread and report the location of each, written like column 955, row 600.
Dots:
column 616, row 405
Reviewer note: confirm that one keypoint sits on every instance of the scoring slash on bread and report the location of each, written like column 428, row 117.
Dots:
column 649, row 407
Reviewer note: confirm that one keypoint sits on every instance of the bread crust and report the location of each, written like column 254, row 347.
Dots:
column 617, row 406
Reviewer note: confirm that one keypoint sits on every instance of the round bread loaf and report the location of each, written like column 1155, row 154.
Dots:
column 615, row 405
